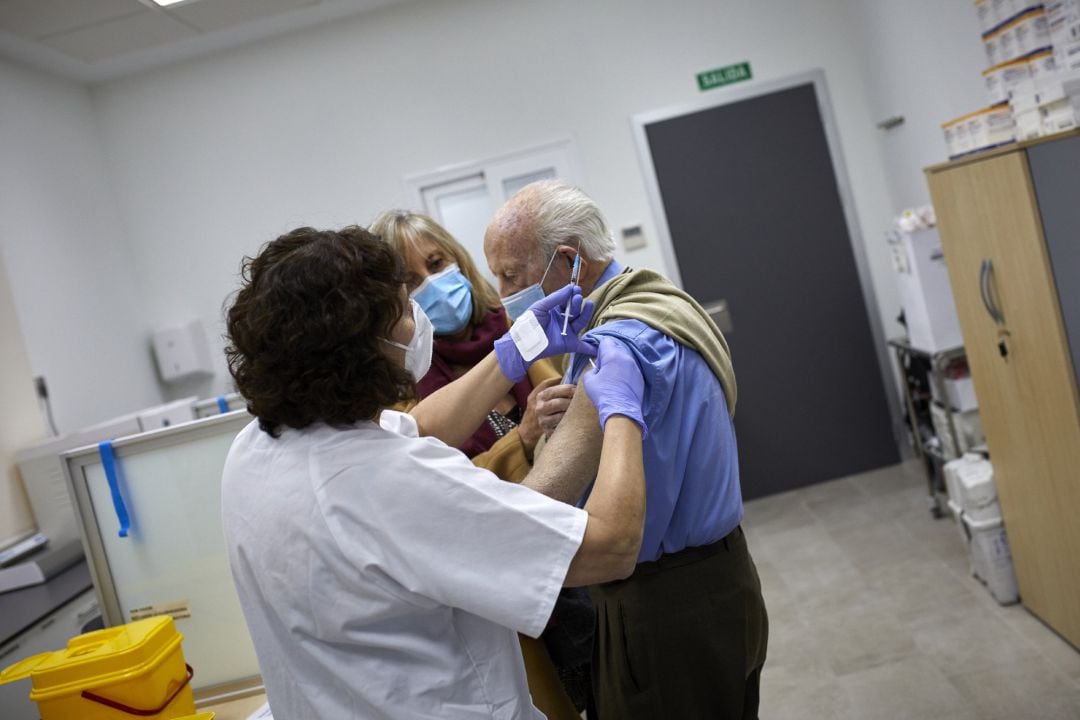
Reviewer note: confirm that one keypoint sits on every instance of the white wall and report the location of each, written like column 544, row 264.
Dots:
column 127, row 207
column 75, row 291
column 212, row 158
column 923, row 60
column 20, row 420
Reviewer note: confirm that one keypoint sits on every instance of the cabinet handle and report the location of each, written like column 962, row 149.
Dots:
column 985, row 271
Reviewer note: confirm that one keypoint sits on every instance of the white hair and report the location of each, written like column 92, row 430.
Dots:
column 564, row 215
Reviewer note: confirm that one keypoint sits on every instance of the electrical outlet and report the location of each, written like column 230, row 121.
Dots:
column 633, row 238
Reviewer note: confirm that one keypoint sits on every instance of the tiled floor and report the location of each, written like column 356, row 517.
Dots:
column 874, row 614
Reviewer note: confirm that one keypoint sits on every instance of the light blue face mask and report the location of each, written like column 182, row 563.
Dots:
column 520, row 301
column 446, row 298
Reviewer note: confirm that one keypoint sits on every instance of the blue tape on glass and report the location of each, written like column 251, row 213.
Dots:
column 222, row 404
column 108, row 460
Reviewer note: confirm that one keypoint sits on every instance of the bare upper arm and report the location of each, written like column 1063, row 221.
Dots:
column 572, row 454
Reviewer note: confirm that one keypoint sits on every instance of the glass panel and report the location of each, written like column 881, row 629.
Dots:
column 512, row 184
column 176, row 551
column 466, row 214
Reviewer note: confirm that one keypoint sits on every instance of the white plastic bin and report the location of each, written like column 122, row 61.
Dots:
column 958, row 389
column 992, row 559
column 952, row 481
column 960, row 392
column 969, row 431
column 965, row 538
column 978, row 494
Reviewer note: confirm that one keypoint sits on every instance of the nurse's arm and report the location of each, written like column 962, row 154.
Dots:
column 616, row 508
column 577, row 453
column 453, row 412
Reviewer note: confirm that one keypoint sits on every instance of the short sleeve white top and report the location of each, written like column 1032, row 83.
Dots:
column 382, row 574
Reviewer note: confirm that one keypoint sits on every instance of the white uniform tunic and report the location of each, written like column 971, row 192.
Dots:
column 382, row 575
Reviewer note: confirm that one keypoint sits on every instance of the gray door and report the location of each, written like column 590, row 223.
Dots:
column 756, row 220
column 1053, row 171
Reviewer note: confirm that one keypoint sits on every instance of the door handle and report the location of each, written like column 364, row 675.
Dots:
column 721, row 315
column 986, row 271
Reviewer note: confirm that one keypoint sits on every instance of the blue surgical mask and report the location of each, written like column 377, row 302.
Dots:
column 520, row 301
column 446, row 298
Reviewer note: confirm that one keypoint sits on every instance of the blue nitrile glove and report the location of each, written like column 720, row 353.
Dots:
column 538, row 332
column 616, row 387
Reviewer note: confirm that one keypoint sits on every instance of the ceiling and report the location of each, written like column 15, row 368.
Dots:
column 97, row 40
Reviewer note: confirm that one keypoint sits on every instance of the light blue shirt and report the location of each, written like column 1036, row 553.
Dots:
column 692, row 490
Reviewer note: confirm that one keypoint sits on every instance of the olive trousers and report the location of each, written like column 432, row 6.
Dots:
column 684, row 637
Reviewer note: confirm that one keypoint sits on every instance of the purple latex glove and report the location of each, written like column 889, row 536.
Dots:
column 616, row 387
column 538, row 332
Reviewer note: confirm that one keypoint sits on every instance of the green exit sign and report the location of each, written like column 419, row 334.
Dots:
column 723, row 76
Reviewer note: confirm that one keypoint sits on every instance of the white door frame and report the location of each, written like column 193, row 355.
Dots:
column 561, row 154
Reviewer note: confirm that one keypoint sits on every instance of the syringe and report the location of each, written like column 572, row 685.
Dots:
column 574, row 272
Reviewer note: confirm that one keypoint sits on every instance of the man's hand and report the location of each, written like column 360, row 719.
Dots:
column 532, row 426
column 551, row 405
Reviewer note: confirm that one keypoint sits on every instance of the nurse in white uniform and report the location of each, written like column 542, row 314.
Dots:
column 381, row 573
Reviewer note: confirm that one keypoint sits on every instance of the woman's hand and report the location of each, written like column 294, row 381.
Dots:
column 616, row 387
column 551, row 314
column 538, row 332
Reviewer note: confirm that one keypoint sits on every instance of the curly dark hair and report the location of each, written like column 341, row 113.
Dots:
column 303, row 331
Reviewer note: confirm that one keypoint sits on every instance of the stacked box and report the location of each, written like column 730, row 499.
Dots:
column 1042, row 66
column 1018, row 36
column 1001, row 80
column 1033, row 49
column 1053, row 105
column 1063, row 23
column 980, row 130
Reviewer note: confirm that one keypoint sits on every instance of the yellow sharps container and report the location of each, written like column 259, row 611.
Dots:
column 134, row 670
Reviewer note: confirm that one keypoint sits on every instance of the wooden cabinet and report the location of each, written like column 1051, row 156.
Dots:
column 992, row 211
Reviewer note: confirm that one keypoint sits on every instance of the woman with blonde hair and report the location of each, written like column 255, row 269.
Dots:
column 468, row 317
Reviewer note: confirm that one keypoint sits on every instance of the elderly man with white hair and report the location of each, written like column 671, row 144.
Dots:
column 685, row 635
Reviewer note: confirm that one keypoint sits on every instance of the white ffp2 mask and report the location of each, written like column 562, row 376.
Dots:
column 418, row 351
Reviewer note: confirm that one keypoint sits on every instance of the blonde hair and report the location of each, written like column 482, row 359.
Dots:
column 403, row 230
